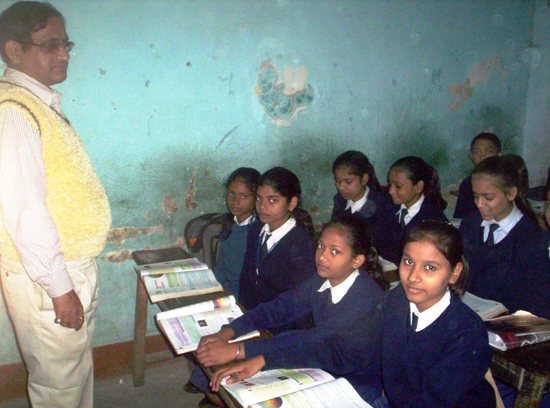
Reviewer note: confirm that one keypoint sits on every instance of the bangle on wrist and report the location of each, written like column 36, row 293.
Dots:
column 238, row 351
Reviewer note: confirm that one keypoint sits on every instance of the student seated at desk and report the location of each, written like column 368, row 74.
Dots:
column 339, row 296
column 414, row 189
column 280, row 248
column 359, row 191
column 483, row 145
column 240, row 199
column 506, row 249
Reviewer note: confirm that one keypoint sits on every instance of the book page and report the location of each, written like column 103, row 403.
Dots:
column 485, row 308
column 517, row 330
column 266, row 385
column 219, row 303
column 180, row 265
column 178, row 283
column 337, row 393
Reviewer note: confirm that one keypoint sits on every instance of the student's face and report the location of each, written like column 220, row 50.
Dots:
column 425, row 274
column 492, row 201
column 482, row 149
column 350, row 186
column 334, row 257
column 38, row 63
column 272, row 208
column 240, row 200
column 402, row 189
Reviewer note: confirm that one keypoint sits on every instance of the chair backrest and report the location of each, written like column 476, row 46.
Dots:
column 202, row 236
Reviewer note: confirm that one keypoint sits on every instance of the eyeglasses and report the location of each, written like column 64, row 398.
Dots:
column 52, row 46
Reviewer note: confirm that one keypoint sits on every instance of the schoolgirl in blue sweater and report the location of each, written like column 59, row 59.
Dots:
column 344, row 292
column 414, row 189
column 505, row 247
column 359, row 191
column 280, row 248
column 435, row 351
column 240, row 199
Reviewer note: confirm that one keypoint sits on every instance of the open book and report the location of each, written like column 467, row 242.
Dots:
column 300, row 388
column 485, row 308
column 517, row 330
column 184, row 277
column 185, row 326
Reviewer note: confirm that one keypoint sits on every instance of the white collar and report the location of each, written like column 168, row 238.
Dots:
column 412, row 210
column 357, row 205
column 339, row 291
column 430, row 315
column 279, row 233
column 508, row 222
column 249, row 220
column 48, row 95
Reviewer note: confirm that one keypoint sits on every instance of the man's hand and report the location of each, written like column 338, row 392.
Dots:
column 68, row 310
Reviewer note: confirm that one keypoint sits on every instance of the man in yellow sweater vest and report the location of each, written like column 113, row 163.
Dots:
column 54, row 212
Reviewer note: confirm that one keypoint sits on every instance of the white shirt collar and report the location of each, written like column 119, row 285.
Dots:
column 278, row 234
column 430, row 315
column 249, row 220
column 504, row 226
column 357, row 205
column 412, row 210
column 48, row 95
column 339, row 291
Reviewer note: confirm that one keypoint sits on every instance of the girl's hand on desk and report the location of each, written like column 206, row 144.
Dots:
column 217, row 352
column 237, row 372
column 223, row 335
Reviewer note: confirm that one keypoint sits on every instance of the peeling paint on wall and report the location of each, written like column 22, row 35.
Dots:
column 120, row 235
column 190, row 202
column 169, row 205
column 118, row 256
column 282, row 99
column 479, row 73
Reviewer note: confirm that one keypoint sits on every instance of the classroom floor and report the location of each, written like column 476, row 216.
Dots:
column 163, row 388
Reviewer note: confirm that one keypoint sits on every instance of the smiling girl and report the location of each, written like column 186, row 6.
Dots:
column 280, row 248
column 507, row 253
column 343, row 293
column 414, row 189
column 435, row 350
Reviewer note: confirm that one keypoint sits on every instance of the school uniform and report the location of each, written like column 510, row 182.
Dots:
column 231, row 254
column 367, row 207
column 287, row 263
column 335, row 311
column 465, row 203
column 515, row 270
column 440, row 365
column 389, row 232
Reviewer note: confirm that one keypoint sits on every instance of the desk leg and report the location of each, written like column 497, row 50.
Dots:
column 531, row 392
column 140, row 331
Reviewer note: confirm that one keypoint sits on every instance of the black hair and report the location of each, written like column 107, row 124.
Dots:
column 504, row 170
column 21, row 19
column 361, row 243
column 358, row 164
column 417, row 170
column 247, row 175
column 287, row 184
column 448, row 240
column 523, row 174
column 491, row 137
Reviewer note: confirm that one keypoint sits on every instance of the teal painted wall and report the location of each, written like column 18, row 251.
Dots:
column 166, row 96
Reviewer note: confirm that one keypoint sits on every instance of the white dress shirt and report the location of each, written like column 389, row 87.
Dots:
column 431, row 314
column 357, row 205
column 412, row 210
column 276, row 235
column 339, row 291
column 23, row 192
column 504, row 226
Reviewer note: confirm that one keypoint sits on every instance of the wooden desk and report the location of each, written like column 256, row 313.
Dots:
column 527, row 369
column 140, row 321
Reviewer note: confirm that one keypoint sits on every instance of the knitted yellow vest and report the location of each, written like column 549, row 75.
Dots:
column 75, row 197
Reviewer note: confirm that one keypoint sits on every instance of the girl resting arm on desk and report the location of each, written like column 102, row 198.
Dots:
column 337, row 298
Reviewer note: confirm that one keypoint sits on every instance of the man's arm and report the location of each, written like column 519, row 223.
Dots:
column 26, row 217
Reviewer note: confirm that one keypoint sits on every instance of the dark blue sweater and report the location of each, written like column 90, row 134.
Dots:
column 388, row 233
column 465, row 203
column 289, row 263
column 377, row 202
column 442, row 365
column 515, row 271
column 345, row 340
column 231, row 257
